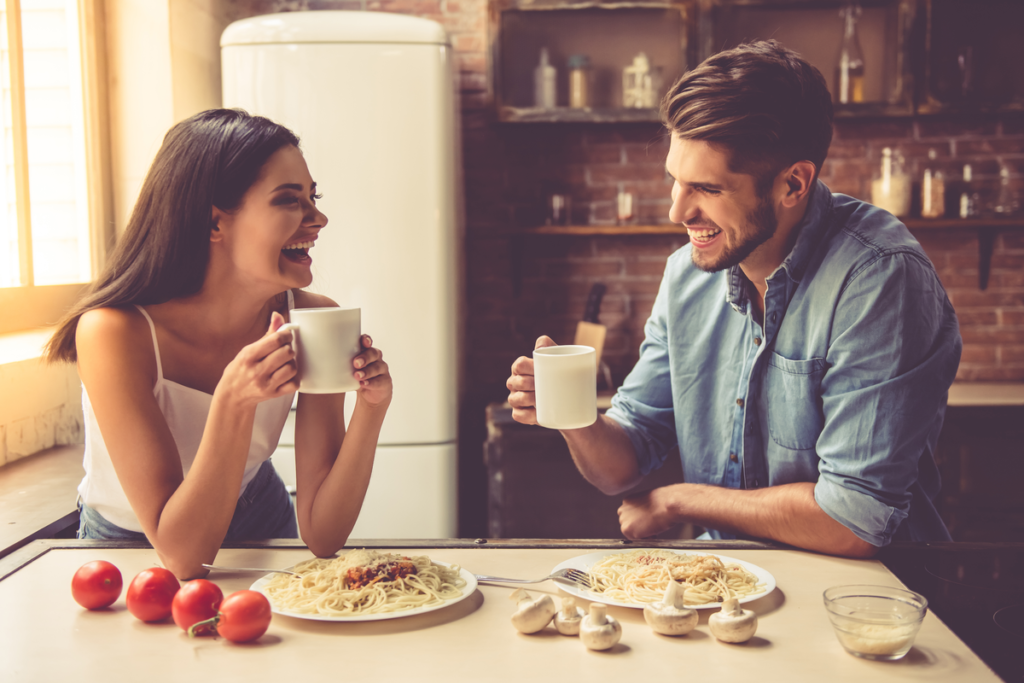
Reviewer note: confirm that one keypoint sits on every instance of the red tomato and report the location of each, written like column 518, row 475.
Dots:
column 96, row 584
column 150, row 594
column 244, row 616
column 197, row 601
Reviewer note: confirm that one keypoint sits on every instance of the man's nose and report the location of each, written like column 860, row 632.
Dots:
column 684, row 209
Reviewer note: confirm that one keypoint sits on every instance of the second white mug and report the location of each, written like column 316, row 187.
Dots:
column 326, row 340
column 565, row 382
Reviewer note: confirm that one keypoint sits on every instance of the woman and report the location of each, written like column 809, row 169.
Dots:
column 187, row 380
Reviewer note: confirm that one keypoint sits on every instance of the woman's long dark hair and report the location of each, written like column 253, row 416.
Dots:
column 210, row 159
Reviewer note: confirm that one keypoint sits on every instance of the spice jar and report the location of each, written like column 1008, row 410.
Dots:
column 890, row 189
column 579, row 81
column 933, row 190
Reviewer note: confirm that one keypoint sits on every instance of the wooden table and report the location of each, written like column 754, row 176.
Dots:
column 45, row 636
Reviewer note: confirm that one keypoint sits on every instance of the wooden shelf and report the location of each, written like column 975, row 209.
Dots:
column 610, row 230
column 987, row 229
column 571, row 115
column 912, row 224
column 947, row 223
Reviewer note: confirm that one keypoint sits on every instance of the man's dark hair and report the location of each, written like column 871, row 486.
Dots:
column 760, row 102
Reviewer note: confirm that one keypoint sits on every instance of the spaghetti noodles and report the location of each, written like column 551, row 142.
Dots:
column 363, row 582
column 642, row 576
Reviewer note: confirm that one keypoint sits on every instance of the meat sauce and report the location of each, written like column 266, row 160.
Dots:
column 384, row 570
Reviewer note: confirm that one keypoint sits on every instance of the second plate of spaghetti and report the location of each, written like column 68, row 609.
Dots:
column 365, row 585
column 633, row 578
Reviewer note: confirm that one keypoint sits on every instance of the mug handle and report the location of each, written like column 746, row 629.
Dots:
column 291, row 326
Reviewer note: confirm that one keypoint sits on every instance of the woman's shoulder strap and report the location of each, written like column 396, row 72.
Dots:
column 156, row 346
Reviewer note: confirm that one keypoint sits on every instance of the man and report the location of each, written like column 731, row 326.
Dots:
column 801, row 347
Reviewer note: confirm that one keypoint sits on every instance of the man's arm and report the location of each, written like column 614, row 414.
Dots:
column 786, row 513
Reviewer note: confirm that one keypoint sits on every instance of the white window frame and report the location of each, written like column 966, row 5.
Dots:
column 31, row 306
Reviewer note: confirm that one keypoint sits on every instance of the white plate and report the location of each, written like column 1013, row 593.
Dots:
column 467, row 590
column 585, row 562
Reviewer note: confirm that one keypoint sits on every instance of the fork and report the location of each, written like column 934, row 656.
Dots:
column 573, row 576
column 249, row 569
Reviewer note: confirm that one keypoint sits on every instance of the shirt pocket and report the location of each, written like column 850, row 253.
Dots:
column 795, row 416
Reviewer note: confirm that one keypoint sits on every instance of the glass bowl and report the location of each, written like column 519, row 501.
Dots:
column 875, row 622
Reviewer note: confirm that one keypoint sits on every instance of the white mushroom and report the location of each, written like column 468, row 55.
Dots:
column 669, row 617
column 733, row 624
column 599, row 631
column 568, row 619
column 532, row 615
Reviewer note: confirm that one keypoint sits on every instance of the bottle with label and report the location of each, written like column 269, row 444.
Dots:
column 890, row 189
column 850, row 70
column 933, row 190
column 579, row 81
column 970, row 200
column 544, row 81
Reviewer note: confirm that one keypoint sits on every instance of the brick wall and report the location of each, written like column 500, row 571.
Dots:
column 518, row 287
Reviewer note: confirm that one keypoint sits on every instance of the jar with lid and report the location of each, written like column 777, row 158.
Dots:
column 933, row 189
column 890, row 188
column 579, row 81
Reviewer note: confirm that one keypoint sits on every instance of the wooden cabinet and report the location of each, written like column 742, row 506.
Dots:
column 535, row 490
column 920, row 56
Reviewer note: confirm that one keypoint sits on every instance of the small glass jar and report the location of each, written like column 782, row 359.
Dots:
column 579, row 82
column 891, row 187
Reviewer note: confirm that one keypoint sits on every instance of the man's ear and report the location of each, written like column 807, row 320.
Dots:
column 215, row 218
column 799, row 180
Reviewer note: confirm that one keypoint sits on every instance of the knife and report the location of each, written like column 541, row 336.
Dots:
column 589, row 332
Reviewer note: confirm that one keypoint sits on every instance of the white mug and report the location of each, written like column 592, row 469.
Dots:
column 565, row 382
column 325, row 342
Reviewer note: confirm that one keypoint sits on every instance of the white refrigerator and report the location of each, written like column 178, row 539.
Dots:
column 371, row 97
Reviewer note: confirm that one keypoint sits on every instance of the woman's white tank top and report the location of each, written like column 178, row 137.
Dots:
column 186, row 410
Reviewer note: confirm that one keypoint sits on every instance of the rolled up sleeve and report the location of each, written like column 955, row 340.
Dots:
column 643, row 404
column 894, row 352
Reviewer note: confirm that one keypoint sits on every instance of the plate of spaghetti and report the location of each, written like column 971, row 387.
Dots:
column 633, row 578
column 366, row 585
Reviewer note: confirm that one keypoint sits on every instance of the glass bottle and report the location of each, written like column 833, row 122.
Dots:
column 579, row 81
column 933, row 190
column 1007, row 202
column 890, row 188
column 970, row 200
column 850, row 70
column 544, row 82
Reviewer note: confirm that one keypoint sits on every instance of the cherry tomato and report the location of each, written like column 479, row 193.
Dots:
column 96, row 584
column 197, row 601
column 243, row 616
column 150, row 594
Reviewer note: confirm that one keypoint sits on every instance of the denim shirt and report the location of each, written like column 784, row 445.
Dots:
column 845, row 384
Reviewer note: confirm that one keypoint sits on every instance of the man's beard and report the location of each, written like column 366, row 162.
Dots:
column 764, row 224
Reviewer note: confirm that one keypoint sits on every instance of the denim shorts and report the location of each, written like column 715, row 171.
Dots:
column 264, row 510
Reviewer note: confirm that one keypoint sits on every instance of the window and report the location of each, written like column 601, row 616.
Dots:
column 53, row 182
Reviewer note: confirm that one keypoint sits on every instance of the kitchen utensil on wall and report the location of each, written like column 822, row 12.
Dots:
column 589, row 332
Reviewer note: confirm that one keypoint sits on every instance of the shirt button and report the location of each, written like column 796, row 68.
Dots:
column 739, row 402
column 732, row 456
column 775, row 316
column 757, row 341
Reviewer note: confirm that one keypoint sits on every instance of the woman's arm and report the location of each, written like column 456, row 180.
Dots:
column 332, row 466
column 185, row 518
